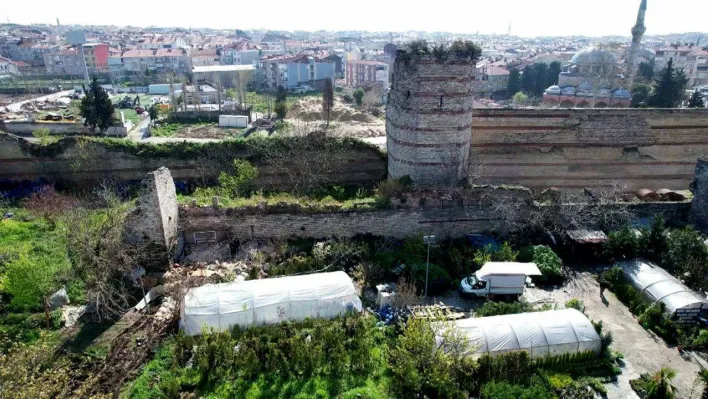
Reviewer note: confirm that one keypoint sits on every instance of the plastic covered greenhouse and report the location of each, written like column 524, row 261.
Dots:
column 541, row 334
column 656, row 284
column 268, row 301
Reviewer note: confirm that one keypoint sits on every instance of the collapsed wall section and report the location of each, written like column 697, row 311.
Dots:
column 429, row 119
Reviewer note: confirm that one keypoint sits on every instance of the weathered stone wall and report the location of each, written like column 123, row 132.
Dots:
column 75, row 161
column 428, row 119
column 154, row 221
column 26, row 128
column 700, row 194
column 636, row 148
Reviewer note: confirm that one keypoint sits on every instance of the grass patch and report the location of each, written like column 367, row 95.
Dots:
column 203, row 196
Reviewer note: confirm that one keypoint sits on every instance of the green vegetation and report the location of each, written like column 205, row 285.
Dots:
column 669, row 87
column 536, row 78
column 657, row 386
column 491, row 308
column 97, row 108
column 358, row 96
column 45, row 136
column 459, row 49
column 547, row 261
column 576, row 304
column 350, row 357
column 696, row 100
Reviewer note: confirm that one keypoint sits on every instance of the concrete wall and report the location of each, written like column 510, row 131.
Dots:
column 636, row 148
column 26, row 128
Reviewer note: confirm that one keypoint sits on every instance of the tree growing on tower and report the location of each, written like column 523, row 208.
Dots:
column 96, row 108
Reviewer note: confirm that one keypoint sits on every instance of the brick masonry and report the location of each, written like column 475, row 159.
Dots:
column 428, row 120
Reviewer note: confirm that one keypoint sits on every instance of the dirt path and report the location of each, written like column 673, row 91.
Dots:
column 643, row 351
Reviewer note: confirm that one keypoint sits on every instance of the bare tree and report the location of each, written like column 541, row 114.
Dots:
column 327, row 100
column 406, row 295
column 102, row 259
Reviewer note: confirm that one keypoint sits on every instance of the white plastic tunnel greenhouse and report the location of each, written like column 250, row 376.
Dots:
column 541, row 334
column 657, row 285
column 268, row 301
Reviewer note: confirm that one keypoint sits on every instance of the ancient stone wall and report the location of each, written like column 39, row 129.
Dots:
column 154, row 221
column 75, row 161
column 428, row 119
column 578, row 148
column 700, row 194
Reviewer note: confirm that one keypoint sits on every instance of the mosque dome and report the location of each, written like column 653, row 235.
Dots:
column 593, row 56
column 622, row 93
column 585, row 86
column 570, row 90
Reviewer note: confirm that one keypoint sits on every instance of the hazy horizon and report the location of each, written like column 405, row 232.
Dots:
column 528, row 19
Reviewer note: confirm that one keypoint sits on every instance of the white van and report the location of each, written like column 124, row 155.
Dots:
column 499, row 278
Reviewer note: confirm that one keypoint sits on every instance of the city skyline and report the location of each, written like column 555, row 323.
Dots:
column 527, row 19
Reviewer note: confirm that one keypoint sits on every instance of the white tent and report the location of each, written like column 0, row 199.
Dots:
column 268, row 301
column 541, row 334
column 656, row 284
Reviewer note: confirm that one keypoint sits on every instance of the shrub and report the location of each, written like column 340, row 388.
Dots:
column 489, row 254
column 575, row 304
column 505, row 390
column 547, row 261
column 491, row 308
column 686, row 253
column 621, row 244
column 347, row 99
column 654, row 241
column 358, row 96
column 240, row 181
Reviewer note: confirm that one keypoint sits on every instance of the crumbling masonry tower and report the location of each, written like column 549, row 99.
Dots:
column 429, row 118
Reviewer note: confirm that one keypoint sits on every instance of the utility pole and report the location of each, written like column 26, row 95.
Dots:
column 429, row 240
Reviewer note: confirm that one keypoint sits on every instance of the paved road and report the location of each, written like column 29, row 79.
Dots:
column 15, row 107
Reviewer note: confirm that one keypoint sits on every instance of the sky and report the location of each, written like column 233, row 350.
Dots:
column 527, row 17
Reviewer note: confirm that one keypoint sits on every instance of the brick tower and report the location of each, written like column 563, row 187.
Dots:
column 429, row 118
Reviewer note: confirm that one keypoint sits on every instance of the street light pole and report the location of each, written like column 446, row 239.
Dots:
column 427, row 240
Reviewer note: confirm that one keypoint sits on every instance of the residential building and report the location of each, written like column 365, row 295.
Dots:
column 203, row 57
column 207, row 94
column 8, row 67
column 490, row 80
column 160, row 60
column 697, row 68
column 67, row 61
column 96, row 56
column 155, row 42
column 241, row 53
column 679, row 54
column 223, row 74
column 292, row 71
column 338, row 63
column 366, row 73
column 27, row 51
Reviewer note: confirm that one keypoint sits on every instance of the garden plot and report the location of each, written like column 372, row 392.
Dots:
column 194, row 130
column 644, row 352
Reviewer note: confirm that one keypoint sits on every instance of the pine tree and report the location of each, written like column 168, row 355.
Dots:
column 514, row 84
column 554, row 70
column 528, row 80
column 669, row 88
column 541, row 79
column 327, row 99
column 96, row 108
column 696, row 100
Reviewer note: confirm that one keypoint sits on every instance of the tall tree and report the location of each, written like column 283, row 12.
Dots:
column 514, row 84
column 554, row 70
column 281, row 104
column 541, row 79
column 96, row 107
column 696, row 100
column 528, row 80
column 646, row 70
column 669, row 88
column 640, row 95
column 327, row 99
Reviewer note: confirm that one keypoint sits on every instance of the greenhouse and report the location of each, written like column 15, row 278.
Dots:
column 268, row 301
column 657, row 285
column 541, row 334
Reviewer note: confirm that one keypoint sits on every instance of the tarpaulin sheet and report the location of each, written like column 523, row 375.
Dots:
column 257, row 302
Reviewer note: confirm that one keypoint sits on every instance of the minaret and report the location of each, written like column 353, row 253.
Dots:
column 637, row 33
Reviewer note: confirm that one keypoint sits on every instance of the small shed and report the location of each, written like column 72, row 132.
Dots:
column 269, row 301
column 657, row 285
column 541, row 334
